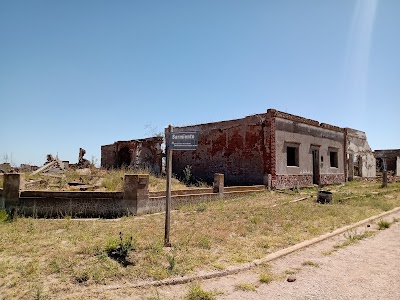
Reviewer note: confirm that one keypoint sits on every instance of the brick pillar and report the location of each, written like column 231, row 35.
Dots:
column 351, row 167
column 11, row 185
column 218, row 186
column 136, row 193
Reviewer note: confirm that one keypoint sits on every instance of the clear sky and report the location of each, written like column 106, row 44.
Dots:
column 89, row 73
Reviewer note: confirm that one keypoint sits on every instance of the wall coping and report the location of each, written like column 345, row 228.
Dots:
column 295, row 118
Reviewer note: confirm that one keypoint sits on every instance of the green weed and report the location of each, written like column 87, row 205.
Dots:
column 118, row 249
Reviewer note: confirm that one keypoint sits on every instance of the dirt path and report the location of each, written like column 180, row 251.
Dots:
column 369, row 269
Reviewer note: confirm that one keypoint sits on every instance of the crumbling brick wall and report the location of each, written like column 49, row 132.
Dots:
column 236, row 148
column 134, row 154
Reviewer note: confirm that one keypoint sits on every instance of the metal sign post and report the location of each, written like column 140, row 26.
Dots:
column 168, row 199
column 176, row 141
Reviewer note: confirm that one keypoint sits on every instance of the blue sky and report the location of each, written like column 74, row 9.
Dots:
column 88, row 73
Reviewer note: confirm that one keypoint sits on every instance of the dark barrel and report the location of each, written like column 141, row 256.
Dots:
column 324, row 197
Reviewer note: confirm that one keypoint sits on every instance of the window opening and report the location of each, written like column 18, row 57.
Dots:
column 292, row 156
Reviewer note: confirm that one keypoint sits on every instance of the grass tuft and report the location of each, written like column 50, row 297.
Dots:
column 245, row 286
column 353, row 238
column 382, row 225
column 266, row 278
column 310, row 263
column 197, row 293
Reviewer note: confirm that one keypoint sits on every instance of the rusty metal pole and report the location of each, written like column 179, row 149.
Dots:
column 168, row 197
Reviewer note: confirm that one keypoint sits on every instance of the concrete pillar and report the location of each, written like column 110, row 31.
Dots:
column 267, row 181
column 351, row 167
column 136, row 193
column 218, row 186
column 397, row 166
column 11, row 185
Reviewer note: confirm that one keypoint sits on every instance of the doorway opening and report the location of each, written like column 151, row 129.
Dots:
column 315, row 166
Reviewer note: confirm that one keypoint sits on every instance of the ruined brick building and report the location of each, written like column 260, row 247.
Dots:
column 134, row 154
column 391, row 158
column 276, row 149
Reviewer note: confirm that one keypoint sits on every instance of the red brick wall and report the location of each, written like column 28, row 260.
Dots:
column 236, row 148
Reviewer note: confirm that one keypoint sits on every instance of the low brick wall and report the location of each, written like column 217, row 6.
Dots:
column 182, row 192
column 390, row 178
column 78, row 204
column 134, row 200
column 157, row 204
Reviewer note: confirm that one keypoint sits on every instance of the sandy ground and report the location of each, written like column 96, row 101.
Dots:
column 369, row 269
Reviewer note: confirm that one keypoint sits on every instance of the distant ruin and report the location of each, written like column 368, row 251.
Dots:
column 133, row 154
column 390, row 158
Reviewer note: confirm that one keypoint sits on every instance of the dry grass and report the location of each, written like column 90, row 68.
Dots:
column 99, row 179
column 246, row 286
column 53, row 257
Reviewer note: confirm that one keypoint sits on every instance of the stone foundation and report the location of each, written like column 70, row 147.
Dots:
column 291, row 181
column 327, row 179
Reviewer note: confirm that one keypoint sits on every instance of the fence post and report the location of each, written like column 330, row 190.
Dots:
column 11, row 185
column 136, row 193
column 218, row 186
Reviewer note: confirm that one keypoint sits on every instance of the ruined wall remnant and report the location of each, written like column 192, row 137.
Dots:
column 235, row 148
column 364, row 163
column 392, row 158
column 134, row 154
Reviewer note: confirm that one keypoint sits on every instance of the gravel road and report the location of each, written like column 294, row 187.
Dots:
column 369, row 269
